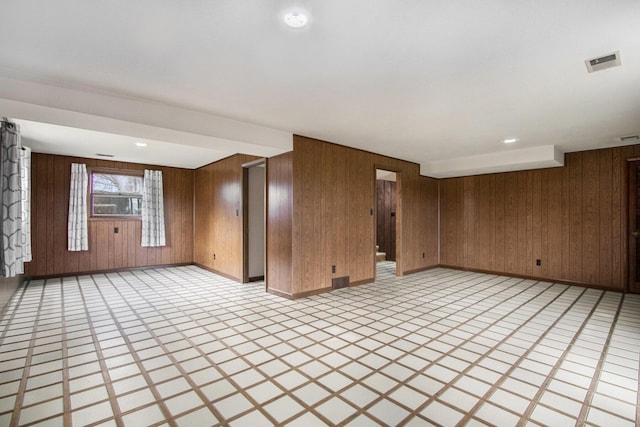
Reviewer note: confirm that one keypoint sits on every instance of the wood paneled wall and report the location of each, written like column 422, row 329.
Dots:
column 50, row 177
column 572, row 218
column 386, row 218
column 420, row 244
column 279, row 223
column 218, row 216
column 333, row 194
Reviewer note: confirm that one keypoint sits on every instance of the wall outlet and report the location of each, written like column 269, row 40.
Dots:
column 116, row 230
column 214, row 257
column 422, row 254
column 538, row 262
column 333, row 268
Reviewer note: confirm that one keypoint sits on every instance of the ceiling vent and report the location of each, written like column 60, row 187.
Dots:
column 630, row 138
column 603, row 62
column 104, row 155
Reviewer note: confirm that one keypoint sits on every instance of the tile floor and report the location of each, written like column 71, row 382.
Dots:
column 181, row 346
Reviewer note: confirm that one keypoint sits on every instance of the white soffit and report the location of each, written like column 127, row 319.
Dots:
column 69, row 141
column 545, row 156
column 181, row 137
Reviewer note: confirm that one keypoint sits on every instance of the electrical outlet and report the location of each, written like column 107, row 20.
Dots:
column 214, row 257
column 538, row 262
column 116, row 230
column 422, row 254
column 333, row 268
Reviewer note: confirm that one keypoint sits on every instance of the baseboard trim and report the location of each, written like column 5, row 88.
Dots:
column 362, row 282
column 113, row 270
column 536, row 278
column 305, row 294
column 311, row 293
column 418, row 270
column 220, row 273
column 278, row 293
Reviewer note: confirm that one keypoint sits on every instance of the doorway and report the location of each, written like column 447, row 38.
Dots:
column 386, row 217
column 253, row 221
column 634, row 227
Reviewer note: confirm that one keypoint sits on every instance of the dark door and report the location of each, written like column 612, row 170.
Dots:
column 634, row 227
column 386, row 218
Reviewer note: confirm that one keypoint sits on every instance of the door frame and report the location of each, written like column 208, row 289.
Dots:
column 398, row 254
column 245, row 217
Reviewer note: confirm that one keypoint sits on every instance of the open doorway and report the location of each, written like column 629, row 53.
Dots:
column 386, row 209
column 253, row 190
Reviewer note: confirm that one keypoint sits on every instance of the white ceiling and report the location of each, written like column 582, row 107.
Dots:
column 437, row 83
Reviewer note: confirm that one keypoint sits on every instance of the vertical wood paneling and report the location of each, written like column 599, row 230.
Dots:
column 279, row 222
column 428, row 222
column 107, row 250
column 218, row 215
column 334, row 191
column 499, row 236
column 575, row 217
column 553, row 260
column 448, row 213
column 469, row 201
column 543, row 270
column 535, row 215
column 523, row 229
column 48, row 206
column 511, row 222
column 591, row 217
column 572, row 218
column 605, row 237
column 619, row 213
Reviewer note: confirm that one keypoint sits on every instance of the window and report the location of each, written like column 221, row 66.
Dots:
column 116, row 193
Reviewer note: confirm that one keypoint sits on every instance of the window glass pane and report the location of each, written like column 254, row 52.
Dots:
column 119, row 184
column 117, row 205
column 116, row 195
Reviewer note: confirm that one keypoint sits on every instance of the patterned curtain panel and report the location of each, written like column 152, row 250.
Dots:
column 152, row 209
column 25, row 177
column 11, row 256
column 77, row 234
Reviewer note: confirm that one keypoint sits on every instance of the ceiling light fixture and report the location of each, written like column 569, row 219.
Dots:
column 141, row 144
column 510, row 140
column 295, row 19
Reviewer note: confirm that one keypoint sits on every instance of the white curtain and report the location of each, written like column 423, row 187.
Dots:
column 152, row 209
column 25, row 177
column 78, row 235
column 12, row 254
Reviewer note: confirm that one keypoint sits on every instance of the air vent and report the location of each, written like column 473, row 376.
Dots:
column 603, row 62
column 630, row 138
column 104, row 155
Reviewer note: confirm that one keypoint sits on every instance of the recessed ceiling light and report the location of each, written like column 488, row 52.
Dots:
column 510, row 140
column 141, row 144
column 295, row 19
